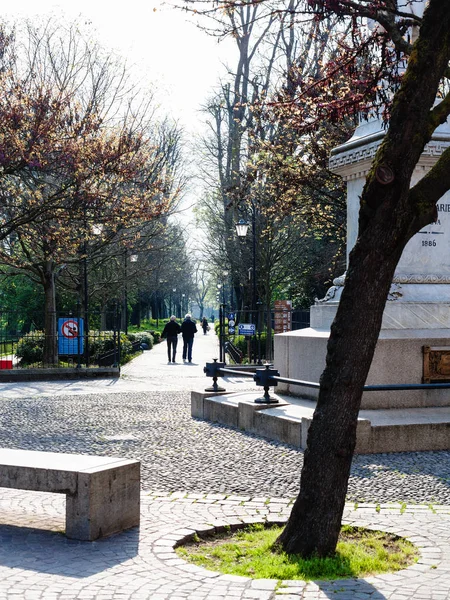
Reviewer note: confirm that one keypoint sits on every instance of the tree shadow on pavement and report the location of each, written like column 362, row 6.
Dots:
column 406, row 472
column 349, row 589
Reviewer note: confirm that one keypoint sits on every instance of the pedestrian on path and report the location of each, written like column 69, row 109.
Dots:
column 205, row 325
column 188, row 329
column 170, row 332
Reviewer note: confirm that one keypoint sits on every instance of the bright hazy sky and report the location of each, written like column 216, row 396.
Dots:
column 184, row 61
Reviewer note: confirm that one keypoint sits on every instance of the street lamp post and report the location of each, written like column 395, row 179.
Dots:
column 158, row 301
column 133, row 259
column 222, row 308
column 86, row 306
column 96, row 229
column 224, row 278
column 173, row 301
column 241, row 229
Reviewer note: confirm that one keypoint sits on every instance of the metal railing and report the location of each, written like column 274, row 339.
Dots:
column 260, row 327
column 59, row 340
column 268, row 377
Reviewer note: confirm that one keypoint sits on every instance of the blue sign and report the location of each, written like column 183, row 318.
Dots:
column 231, row 317
column 70, row 335
column 246, row 329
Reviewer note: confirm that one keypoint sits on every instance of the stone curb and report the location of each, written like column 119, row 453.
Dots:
column 165, row 546
column 386, row 517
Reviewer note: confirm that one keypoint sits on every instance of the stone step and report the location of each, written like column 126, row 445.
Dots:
column 388, row 430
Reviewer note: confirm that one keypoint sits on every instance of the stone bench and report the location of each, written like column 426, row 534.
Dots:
column 102, row 493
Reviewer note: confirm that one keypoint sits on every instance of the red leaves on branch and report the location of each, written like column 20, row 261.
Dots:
column 64, row 167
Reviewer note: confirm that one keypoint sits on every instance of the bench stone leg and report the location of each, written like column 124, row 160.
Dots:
column 106, row 502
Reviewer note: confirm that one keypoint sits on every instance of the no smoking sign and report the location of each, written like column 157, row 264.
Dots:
column 69, row 329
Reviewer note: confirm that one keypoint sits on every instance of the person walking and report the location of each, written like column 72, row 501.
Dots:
column 188, row 330
column 170, row 332
column 205, row 325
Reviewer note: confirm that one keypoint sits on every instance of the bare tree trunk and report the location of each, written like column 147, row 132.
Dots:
column 50, row 354
column 103, row 318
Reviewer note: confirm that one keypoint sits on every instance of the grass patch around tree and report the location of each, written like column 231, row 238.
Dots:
column 252, row 552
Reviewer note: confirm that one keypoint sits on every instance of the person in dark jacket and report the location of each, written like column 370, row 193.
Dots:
column 170, row 332
column 205, row 325
column 188, row 329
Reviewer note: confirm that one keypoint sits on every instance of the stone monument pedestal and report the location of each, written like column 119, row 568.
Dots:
column 417, row 313
column 398, row 359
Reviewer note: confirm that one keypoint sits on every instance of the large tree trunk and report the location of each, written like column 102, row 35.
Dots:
column 315, row 521
column 390, row 214
column 50, row 354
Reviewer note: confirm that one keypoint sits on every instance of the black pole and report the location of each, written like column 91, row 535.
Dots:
column 157, row 309
column 86, row 308
column 254, row 315
column 221, row 333
column 125, row 292
column 259, row 305
column 254, row 261
column 116, row 326
column 79, row 337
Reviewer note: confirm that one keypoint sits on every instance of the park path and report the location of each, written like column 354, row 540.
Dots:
column 153, row 368
column 148, row 372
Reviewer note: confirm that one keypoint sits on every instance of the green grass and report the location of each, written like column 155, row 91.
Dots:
column 6, row 348
column 149, row 325
column 252, row 553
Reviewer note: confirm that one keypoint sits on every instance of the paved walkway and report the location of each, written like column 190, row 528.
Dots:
column 195, row 476
column 150, row 371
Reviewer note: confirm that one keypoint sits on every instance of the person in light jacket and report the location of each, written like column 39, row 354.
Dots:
column 170, row 332
column 188, row 330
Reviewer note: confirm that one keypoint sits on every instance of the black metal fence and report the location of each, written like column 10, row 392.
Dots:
column 247, row 336
column 60, row 340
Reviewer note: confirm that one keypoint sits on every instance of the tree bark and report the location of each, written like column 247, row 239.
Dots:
column 50, row 353
column 390, row 214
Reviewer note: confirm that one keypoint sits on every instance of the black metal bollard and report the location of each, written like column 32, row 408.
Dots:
column 263, row 377
column 212, row 370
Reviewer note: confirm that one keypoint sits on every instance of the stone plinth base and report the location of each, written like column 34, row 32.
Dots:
column 414, row 430
column 11, row 375
column 239, row 410
column 398, row 359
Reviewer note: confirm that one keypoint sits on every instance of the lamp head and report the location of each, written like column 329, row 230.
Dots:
column 242, row 228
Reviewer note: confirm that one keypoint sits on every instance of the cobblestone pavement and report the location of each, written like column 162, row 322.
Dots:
column 181, row 453
column 195, row 475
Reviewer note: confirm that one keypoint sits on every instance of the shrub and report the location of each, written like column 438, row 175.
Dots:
column 126, row 349
column 101, row 342
column 156, row 336
column 144, row 337
column 241, row 342
column 30, row 348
